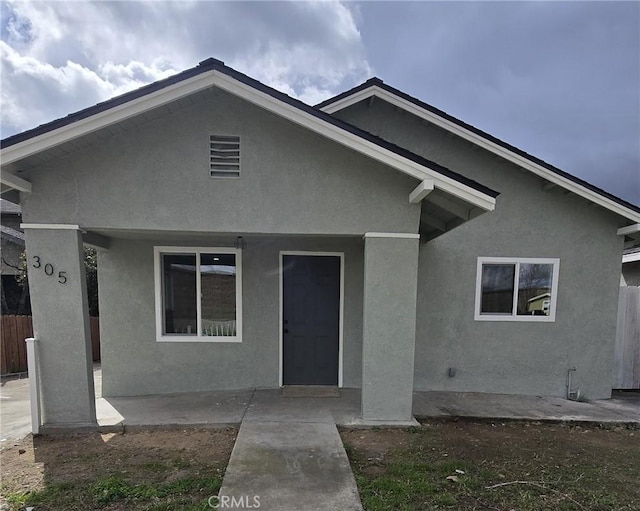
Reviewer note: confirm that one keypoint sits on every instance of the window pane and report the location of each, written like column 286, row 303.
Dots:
column 218, row 281
column 179, row 283
column 497, row 288
column 534, row 289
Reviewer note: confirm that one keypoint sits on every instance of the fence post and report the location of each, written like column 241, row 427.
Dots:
column 34, row 384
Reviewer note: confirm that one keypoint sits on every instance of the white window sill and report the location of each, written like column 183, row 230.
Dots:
column 528, row 319
column 198, row 338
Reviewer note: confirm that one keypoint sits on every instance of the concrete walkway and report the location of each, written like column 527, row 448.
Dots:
column 290, row 455
column 290, row 466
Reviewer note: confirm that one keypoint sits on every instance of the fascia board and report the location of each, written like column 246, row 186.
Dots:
column 106, row 118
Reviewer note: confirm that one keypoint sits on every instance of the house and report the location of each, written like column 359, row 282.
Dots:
column 247, row 239
column 539, row 304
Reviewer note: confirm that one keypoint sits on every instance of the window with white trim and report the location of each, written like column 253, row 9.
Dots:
column 198, row 294
column 516, row 289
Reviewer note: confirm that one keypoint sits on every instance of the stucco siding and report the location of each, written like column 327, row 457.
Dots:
column 155, row 175
column 134, row 363
column 509, row 357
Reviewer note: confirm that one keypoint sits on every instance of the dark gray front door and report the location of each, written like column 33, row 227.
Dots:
column 311, row 319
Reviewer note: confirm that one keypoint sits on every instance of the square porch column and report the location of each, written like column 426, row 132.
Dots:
column 57, row 285
column 389, row 326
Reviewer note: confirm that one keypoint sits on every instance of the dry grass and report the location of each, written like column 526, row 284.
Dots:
column 144, row 470
column 516, row 466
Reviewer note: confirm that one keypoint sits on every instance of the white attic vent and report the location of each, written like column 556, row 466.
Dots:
column 224, row 156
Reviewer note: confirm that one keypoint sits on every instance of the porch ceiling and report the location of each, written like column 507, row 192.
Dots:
column 442, row 212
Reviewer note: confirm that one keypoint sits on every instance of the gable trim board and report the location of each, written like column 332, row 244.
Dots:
column 376, row 88
column 214, row 73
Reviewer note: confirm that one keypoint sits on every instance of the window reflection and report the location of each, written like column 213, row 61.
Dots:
column 534, row 289
column 497, row 288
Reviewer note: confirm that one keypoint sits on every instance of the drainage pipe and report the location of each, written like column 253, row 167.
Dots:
column 569, row 371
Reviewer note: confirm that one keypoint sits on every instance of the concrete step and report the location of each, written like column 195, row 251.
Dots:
column 310, row 391
column 289, row 466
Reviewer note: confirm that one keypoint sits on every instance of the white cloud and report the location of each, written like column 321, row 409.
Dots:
column 34, row 92
column 59, row 57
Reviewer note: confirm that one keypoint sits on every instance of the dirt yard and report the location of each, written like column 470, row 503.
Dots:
column 484, row 466
column 443, row 465
column 148, row 470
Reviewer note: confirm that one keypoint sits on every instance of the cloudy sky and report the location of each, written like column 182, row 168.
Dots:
column 560, row 80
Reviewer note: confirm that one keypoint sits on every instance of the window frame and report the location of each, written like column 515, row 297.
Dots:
column 158, row 252
column 517, row 261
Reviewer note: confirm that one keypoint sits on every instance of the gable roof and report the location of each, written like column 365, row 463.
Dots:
column 376, row 87
column 212, row 72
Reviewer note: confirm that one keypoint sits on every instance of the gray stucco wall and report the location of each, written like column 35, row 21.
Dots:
column 509, row 357
column 389, row 328
column 135, row 364
column 155, row 175
column 631, row 274
column 57, row 276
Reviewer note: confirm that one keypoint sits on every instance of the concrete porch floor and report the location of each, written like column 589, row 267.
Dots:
column 222, row 408
column 212, row 409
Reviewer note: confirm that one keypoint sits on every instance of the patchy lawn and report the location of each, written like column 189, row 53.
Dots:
column 144, row 470
column 480, row 466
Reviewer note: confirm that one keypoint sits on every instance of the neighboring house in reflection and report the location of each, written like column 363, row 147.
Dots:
column 15, row 297
column 539, row 304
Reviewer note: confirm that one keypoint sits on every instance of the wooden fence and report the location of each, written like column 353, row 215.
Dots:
column 627, row 351
column 15, row 329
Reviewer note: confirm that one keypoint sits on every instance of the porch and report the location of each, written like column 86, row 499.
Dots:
column 354, row 318
column 223, row 408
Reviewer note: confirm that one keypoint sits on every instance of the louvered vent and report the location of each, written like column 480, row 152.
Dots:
column 224, row 156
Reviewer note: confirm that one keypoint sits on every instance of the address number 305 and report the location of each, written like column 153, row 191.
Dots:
column 49, row 269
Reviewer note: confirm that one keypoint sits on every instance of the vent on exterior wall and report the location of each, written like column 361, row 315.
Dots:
column 224, row 156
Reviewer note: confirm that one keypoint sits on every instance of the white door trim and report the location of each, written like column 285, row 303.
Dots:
column 341, row 320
